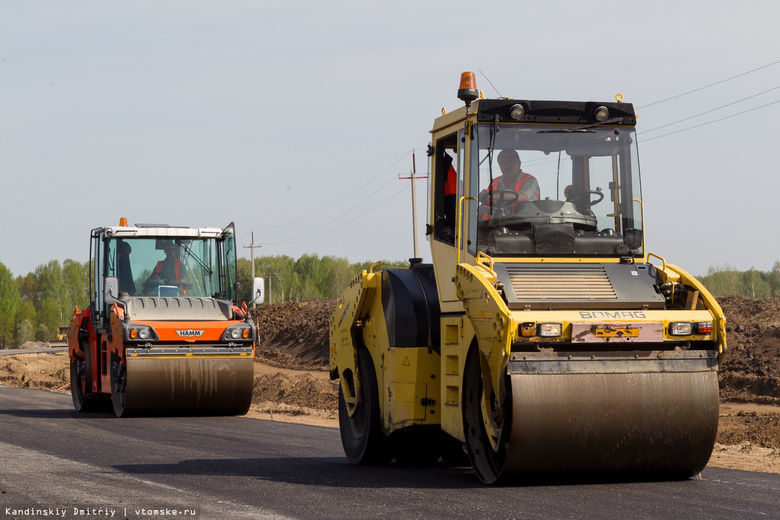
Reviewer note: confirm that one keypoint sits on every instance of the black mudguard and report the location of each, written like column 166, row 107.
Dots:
column 411, row 307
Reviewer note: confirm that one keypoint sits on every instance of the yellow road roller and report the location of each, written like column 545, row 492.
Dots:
column 543, row 340
column 163, row 333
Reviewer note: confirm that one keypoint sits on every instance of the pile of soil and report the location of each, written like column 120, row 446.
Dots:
column 34, row 344
column 751, row 369
column 38, row 371
column 294, row 334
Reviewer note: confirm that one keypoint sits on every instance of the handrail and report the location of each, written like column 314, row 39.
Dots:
column 658, row 257
column 460, row 219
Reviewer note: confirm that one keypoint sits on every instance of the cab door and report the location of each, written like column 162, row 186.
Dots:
column 444, row 217
column 228, row 267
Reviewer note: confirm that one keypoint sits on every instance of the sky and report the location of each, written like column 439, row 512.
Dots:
column 296, row 120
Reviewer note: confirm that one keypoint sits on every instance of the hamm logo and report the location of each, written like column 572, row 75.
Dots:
column 190, row 333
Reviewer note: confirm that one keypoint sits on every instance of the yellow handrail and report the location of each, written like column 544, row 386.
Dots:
column 460, row 219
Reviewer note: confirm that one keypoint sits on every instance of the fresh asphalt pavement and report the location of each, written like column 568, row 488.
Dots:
column 56, row 462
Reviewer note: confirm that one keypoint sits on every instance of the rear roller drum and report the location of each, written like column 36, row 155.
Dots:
column 487, row 462
column 361, row 433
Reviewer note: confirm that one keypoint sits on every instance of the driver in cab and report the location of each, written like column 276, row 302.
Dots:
column 513, row 186
column 169, row 271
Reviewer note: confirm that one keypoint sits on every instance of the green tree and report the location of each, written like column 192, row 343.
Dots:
column 9, row 306
column 49, row 319
column 309, row 277
column 753, row 285
column 723, row 280
column 27, row 287
column 51, row 300
column 280, row 277
column 774, row 281
column 312, row 273
column 25, row 332
column 244, row 277
column 76, row 279
column 342, row 272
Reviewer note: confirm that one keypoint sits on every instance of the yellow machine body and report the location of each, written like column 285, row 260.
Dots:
column 542, row 339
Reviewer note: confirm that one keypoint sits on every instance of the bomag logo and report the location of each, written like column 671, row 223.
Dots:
column 190, row 333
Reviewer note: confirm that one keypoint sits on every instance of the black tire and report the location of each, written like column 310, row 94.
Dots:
column 83, row 399
column 118, row 386
column 361, row 434
column 487, row 463
column 77, row 385
column 417, row 447
column 453, row 451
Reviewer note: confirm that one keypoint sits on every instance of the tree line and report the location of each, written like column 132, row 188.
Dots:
column 725, row 280
column 33, row 307
column 310, row 276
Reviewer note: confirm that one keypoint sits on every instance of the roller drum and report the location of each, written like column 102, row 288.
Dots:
column 205, row 384
column 654, row 414
column 649, row 423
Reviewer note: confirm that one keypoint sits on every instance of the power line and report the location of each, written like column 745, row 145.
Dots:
column 713, row 121
column 710, row 111
column 341, row 199
column 710, row 85
column 307, row 235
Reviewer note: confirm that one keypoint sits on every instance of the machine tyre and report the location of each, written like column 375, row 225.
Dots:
column 361, row 434
column 487, row 463
column 80, row 400
column 84, row 401
column 453, row 451
column 118, row 385
column 417, row 447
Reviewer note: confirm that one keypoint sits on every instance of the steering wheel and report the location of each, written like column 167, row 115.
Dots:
column 500, row 197
column 582, row 194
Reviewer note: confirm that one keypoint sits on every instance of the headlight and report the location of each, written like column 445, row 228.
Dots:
column 141, row 333
column 681, row 328
column 238, row 331
column 550, row 330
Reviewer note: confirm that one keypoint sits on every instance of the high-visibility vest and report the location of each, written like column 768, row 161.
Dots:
column 158, row 268
column 518, row 185
column 451, row 183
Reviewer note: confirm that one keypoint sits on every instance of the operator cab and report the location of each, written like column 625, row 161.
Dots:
column 577, row 192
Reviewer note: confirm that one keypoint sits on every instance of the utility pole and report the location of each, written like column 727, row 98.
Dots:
column 252, row 247
column 413, row 178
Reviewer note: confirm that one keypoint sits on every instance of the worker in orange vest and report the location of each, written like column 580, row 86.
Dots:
column 170, row 270
column 513, row 178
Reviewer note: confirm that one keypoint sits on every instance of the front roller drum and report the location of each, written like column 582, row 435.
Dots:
column 647, row 423
column 192, row 385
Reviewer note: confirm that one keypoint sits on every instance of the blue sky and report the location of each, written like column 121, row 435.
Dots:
column 295, row 121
